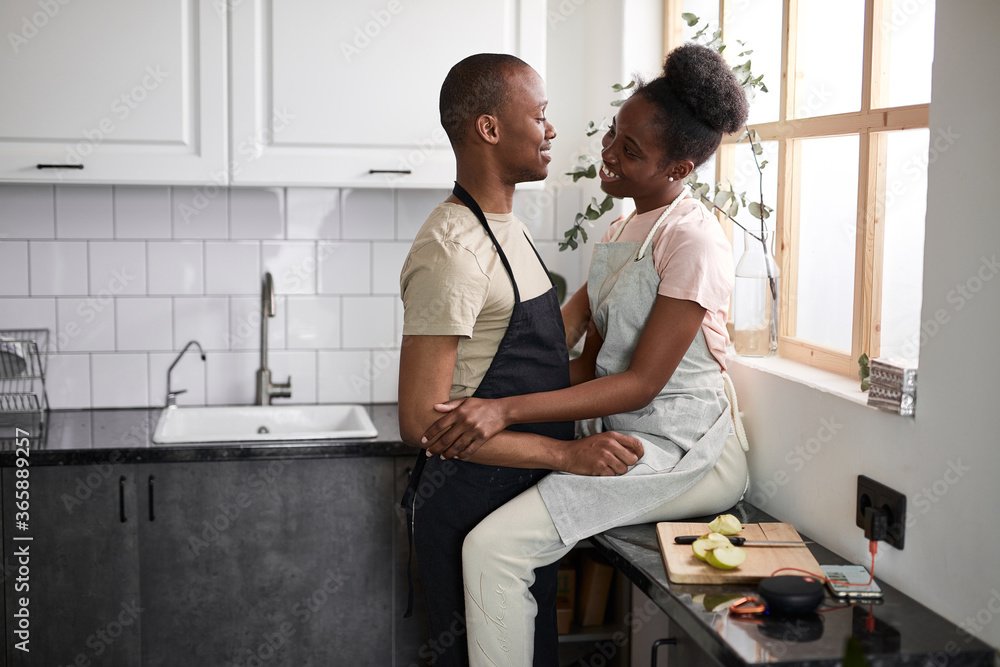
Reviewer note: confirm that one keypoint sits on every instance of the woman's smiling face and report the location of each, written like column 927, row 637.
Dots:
column 635, row 162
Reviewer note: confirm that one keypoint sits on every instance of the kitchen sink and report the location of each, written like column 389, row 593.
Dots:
column 262, row 423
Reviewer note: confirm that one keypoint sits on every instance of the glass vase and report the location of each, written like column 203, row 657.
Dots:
column 755, row 297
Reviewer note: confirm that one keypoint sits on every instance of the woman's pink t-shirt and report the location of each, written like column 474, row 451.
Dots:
column 694, row 260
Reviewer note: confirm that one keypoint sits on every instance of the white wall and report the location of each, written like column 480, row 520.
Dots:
column 808, row 447
column 592, row 46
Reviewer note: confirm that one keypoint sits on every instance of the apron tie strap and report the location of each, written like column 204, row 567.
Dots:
column 737, row 416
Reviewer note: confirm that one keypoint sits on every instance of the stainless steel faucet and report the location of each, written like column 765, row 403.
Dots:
column 171, row 394
column 266, row 390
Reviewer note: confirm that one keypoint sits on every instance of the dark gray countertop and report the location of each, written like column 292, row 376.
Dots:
column 125, row 435
column 895, row 631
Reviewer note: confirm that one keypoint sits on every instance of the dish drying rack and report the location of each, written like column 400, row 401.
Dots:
column 23, row 401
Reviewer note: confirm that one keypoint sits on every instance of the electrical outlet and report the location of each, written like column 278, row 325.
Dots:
column 880, row 496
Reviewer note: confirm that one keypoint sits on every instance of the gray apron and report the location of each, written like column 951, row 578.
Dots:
column 683, row 430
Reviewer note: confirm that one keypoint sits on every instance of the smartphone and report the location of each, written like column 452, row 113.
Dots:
column 839, row 575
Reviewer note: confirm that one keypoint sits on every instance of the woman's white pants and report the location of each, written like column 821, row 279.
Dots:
column 501, row 553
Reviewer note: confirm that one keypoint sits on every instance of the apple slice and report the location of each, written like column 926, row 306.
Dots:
column 727, row 524
column 719, row 538
column 707, row 542
column 726, row 558
column 702, row 546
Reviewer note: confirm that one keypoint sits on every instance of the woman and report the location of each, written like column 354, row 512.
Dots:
column 653, row 362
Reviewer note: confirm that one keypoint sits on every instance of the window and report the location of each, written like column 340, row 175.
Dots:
column 845, row 131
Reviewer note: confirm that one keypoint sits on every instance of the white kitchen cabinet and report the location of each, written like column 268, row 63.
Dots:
column 134, row 92
column 346, row 93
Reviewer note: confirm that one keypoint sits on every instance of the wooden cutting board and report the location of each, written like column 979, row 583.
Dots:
column 761, row 562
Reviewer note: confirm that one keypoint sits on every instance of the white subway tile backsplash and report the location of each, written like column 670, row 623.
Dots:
column 28, row 313
column 344, row 376
column 144, row 324
column 256, row 213
column 84, row 212
column 344, row 268
column 67, row 381
column 300, row 365
column 189, row 374
column 200, row 213
column 117, row 267
column 13, row 268
column 368, row 214
column 369, row 322
column 232, row 267
column 412, row 209
column 385, row 376
column 142, row 212
column 313, row 322
column 313, row 213
column 292, row 265
column 86, row 325
column 245, row 320
column 231, row 377
column 193, row 271
column 27, row 212
column 204, row 319
column 119, row 380
column 176, row 267
column 59, row 268
column 388, row 258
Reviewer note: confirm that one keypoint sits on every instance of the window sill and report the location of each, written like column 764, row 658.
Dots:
column 825, row 381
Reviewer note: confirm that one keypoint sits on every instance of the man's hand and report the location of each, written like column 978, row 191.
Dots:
column 469, row 423
column 605, row 454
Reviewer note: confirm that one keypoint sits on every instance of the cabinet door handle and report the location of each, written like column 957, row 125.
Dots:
column 152, row 517
column 121, row 498
column 669, row 641
column 59, row 166
column 390, row 171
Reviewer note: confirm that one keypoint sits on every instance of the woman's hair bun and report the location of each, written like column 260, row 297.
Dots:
column 704, row 82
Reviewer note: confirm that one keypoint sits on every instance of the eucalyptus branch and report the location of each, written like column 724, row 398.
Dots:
column 725, row 213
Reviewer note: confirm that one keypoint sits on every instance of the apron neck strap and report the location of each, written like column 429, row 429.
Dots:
column 621, row 227
column 468, row 200
column 659, row 221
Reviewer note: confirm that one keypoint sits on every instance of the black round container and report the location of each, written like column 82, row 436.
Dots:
column 791, row 594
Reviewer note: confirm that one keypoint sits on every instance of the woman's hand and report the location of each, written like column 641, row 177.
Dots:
column 469, row 423
column 604, row 454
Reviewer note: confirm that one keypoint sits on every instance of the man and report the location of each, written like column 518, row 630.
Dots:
column 481, row 319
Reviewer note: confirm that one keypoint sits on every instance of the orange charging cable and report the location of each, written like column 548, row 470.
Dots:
column 751, row 605
column 872, row 549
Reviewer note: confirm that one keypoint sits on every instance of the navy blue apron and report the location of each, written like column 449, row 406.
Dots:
column 456, row 495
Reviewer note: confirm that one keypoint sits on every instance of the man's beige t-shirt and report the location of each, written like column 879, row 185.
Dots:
column 454, row 284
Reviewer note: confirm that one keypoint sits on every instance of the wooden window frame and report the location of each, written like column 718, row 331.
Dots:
column 871, row 124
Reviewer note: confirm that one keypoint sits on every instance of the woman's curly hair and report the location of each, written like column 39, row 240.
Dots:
column 697, row 99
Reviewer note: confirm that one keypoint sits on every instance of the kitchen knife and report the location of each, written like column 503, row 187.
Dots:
column 743, row 542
